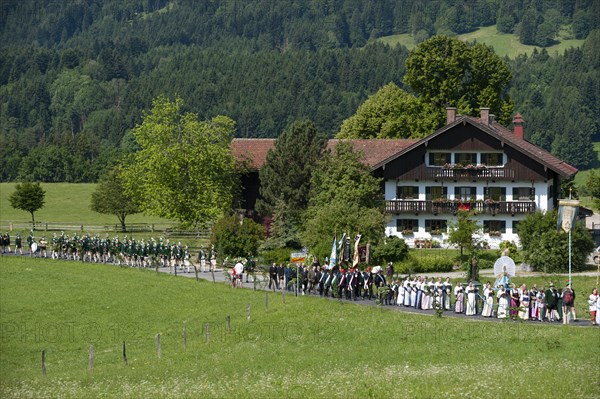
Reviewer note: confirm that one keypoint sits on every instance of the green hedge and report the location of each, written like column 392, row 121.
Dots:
column 425, row 265
column 278, row 255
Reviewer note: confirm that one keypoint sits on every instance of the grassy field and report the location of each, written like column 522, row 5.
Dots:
column 581, row 179
column 504, row 44
column 65, row 202
column 305, row 347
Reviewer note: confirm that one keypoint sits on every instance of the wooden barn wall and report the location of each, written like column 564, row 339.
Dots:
column 250, row 183
column 411, row 166
column 464, row 138
column 525, row 168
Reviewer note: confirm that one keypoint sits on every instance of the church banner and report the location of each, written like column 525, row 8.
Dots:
column 567, row 214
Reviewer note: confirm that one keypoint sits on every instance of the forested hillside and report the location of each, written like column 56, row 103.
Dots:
column 76, row 76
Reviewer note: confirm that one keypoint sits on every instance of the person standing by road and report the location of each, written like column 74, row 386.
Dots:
column 239, row 271
column 273, row 277
column 593, row 305
column 568, row 301
column 551, row 301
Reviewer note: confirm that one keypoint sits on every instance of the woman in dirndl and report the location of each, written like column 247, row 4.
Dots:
column 525, row 302
column 459, row 295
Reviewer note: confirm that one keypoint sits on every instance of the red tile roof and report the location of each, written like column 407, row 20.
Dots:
column 377, row 152
column 254, row 151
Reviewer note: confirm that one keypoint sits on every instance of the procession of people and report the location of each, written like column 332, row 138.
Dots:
column 506, row 301
column 503, row 301
column 126, row 252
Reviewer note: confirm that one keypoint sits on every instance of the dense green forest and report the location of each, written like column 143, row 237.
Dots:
column 76, row 76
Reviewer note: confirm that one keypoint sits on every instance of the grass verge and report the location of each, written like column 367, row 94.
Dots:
column 305, row 347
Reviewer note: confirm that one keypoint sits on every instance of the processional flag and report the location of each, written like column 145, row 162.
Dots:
column 333, row 256
column 567, row 214
column 356, row 259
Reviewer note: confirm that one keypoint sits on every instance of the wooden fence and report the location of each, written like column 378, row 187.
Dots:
column 167, row 229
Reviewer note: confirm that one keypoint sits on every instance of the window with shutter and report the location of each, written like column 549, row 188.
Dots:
column 465, row 158
column 465, row 193
column 436, row 192
column 492, row 159
column 407, row 192
column 523, row 193
column 439, row 158
column 495, row 193
column 436, row 226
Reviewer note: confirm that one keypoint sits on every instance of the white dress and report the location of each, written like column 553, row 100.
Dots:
column 471, row 301
column 598, row 310
column 426, row 296
column 593, row 304
column 502, row 304
column 432, row 295
column 400, row 300
column 407, row 292
column 448, row 295
column 413, row 294
column 488, row 305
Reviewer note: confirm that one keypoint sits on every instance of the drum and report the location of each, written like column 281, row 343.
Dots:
column 34, row 247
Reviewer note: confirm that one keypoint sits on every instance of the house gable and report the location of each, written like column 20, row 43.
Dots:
column 524, row 161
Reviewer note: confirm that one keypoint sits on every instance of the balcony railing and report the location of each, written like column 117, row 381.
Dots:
column 451, row 207
column 469, row 173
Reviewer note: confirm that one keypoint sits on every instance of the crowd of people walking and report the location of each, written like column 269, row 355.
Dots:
column 436, row 294
column 507, row 300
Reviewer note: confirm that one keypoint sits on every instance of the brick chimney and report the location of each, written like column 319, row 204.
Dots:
column 484, row 115
column 518, row 127
column 450, row 115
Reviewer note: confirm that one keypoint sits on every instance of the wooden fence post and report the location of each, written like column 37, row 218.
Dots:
column 91, row 358
column 124, row 354
column 184, row 339
column 158, row 345
column 44, row 362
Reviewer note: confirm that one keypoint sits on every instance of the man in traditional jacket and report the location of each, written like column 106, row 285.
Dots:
column 551, row 300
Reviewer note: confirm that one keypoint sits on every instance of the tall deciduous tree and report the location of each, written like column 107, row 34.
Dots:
column 444, row 71
column 110, row 198
column 547, row 248
column 184, row 169
column 392, row 113
column 286, row 177
column 28, row 197
column 344, row 197
column 463, row 230
column 234, row 237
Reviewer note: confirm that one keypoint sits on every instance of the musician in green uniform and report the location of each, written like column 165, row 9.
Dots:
column 30, row 241
column 18, row 243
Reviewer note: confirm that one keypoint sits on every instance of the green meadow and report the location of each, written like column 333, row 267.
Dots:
column 303, row 347
column 65, row 203
column 503, row 44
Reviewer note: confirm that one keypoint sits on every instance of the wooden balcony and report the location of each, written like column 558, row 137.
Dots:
column 451, row 207
column 469, row 174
